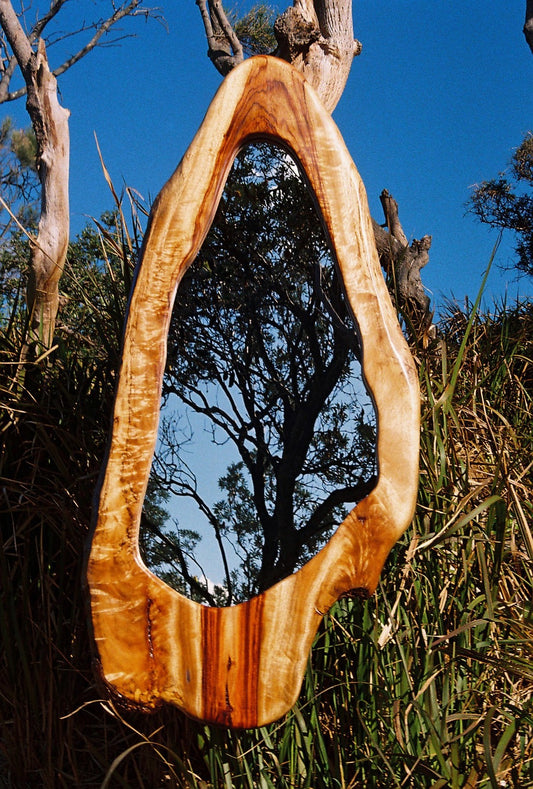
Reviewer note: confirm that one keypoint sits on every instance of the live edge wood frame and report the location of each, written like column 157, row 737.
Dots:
column 242, row 666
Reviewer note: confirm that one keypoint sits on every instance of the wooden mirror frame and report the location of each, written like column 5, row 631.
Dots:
column 242, row 666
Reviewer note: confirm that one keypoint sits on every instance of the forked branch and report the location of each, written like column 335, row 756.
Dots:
column 315, row 36
column 402, row 263
column 225, row 50
column 10, row 60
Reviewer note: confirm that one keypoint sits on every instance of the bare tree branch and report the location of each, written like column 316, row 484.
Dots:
column 225, row 50
column 128, row 9
column 346, row 495
column 403, row 262
column 175, row 549
column 392, row 219
column 101, row 29
column 40, row 25
column 15, row 34
column 213, row 520
column 528, row 25
column 5, row 80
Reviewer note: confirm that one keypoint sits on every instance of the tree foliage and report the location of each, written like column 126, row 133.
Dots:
column 506, row 202
column 255, row 30
column 18, row 178
column 263, row 347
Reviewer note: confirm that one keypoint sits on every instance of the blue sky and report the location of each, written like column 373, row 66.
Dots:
column 436, row 102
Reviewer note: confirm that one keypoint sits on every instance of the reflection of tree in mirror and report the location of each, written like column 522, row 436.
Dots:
column 262, row 346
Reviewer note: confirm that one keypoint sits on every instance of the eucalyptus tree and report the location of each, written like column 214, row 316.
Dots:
column 24, row 59
column 316, row 37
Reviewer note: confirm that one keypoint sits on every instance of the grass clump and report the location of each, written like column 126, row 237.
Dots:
column 427, row 684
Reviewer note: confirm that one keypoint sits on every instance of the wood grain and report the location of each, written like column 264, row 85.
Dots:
column 242, row 666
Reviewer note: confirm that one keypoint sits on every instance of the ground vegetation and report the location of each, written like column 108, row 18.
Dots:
column 426, row 684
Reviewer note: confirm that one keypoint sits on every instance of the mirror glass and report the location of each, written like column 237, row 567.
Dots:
column 267, row 436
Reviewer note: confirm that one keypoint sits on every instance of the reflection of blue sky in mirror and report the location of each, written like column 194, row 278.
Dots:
column 207, row 462
column 207, row 457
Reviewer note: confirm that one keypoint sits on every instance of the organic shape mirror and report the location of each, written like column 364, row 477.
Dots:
column 242, row 665
column 267, row 435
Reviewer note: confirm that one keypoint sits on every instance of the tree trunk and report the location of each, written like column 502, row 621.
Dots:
column 528, row 25
column 50, row 124
column 316, row 37
column 49, row 250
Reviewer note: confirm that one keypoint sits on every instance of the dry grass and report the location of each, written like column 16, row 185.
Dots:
column 428, row 684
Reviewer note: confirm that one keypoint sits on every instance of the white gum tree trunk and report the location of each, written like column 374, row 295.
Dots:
column 50, row 123
column 49, row 250
column 316, row 36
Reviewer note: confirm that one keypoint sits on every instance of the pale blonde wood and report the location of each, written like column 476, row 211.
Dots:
column 242, row 666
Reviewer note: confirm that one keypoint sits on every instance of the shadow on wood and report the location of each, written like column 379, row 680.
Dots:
column 242, row 666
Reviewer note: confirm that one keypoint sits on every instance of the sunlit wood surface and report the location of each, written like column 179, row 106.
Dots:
column 242, row 666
